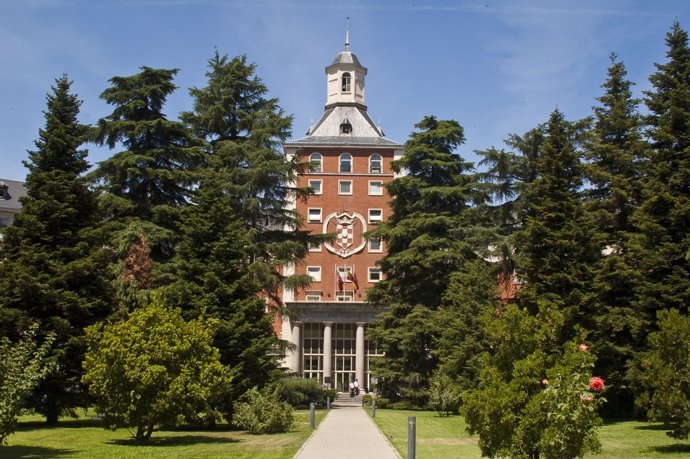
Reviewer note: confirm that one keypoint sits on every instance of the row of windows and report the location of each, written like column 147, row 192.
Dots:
column 345, row 163
column 375, row 246
column 373, row 274
column 345, row 187
column 315, row 215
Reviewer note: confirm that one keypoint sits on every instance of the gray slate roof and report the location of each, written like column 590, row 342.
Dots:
column 15, row 190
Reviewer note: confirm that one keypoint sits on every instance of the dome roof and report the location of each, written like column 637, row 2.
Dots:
column 346, row 57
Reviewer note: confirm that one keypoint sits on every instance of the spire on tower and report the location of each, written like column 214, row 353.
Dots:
column 347, row 34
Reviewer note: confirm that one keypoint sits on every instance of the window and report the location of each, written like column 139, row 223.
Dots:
column 376, row 188
column 346, row 81
column 315, row 215
column 346, row 162
column 315, row 247
column 375, row 216
column 313, row 296
column 375, row 246
column 375, row 164
column 345, row 296
column 315, row 162
column 374, row 274
column 315, row 186
column 344, row 186
column 314, row 272
column 345, row 127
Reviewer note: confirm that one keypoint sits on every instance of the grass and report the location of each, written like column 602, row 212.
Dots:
column 86, row 438
column 446, row 438
column 437, row 438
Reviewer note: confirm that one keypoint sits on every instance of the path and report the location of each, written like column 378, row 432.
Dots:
column 347, row 433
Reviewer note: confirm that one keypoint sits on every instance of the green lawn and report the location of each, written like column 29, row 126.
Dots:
column 446, row 438
column 85, row 438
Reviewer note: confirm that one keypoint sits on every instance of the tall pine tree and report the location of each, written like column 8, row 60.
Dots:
column 145, row 185
column 557, row 251
column 661, row 248
column 429, row 237
column 54, row 266
column 614, row 154
column 240, row 231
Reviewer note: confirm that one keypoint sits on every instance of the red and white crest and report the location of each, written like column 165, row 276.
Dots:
column 348, row 229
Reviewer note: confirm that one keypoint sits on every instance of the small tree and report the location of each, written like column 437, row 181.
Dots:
column 664, row 374
column 22, row 367
column 153, row 369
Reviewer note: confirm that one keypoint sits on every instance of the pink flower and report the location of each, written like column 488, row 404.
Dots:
column 545, row 382
column 596, row 384
column 583, row 347
column 587, row 398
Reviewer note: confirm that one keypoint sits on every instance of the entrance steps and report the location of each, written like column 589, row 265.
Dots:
column 344, row 399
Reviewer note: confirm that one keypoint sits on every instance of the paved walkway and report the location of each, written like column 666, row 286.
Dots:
column 347, row 433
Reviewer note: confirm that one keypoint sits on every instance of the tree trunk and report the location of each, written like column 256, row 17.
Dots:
column 52, row 410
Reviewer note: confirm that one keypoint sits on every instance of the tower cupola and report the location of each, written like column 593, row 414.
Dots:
column 345, row 79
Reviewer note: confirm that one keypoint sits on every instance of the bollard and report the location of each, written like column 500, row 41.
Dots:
column 411, row 434
column 312, row 416
column 328, row 403
column 373, row 407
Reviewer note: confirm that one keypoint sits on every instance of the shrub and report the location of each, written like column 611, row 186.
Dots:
column 664, row 375
column 536, row 398
column 444, row 395
column 299, row 392
column 262, row 413
column 22, row 367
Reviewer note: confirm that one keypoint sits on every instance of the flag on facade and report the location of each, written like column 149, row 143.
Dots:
column 340, row 281
column 352, row 278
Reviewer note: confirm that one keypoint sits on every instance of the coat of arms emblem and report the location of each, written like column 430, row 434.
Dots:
column 348, row 229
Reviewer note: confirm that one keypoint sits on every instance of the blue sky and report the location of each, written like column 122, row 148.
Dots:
column 495, row 67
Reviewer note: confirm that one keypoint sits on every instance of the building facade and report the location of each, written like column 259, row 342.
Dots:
column 350, row 163
column 10, row 192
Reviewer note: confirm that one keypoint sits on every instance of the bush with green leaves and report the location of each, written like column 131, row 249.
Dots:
column 664, row 374
column 444, row 395
column 154, row 369
column 22, row 367
column 262, row 412
column 300, row 392
column 536, row 398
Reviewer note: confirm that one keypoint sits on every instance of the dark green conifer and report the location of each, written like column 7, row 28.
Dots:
column 145, row 185
column 54, row 266
column 430, row 236
column 240, row 231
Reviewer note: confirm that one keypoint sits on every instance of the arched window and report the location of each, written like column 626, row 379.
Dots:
column 346, row 162
column 315, row 162
column 346, row 79
column 375, row 164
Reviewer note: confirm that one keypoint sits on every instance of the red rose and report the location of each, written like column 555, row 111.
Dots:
column 596, row 384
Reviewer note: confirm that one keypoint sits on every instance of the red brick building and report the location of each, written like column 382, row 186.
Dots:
column 351, row 163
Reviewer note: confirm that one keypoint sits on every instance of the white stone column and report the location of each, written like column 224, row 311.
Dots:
column 296, row 365
column 359, row 355
column 328, row 353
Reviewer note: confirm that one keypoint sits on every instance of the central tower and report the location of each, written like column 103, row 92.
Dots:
column 349, row 165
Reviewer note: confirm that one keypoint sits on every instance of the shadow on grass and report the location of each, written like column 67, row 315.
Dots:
column 66, row 424
column 654, row 426
column 19, row 452
column 678, row 448
column 174, row 441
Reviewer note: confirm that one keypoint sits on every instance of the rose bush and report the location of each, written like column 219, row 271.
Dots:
column 534, row 397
